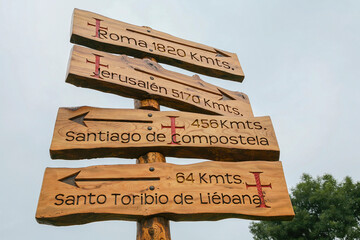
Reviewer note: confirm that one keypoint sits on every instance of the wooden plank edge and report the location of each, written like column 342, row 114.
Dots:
column 215, row 153
column 84, row 218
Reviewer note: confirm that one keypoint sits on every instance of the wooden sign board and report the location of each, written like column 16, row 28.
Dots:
column 88, row 132
column 203, row 191
column 142, row 79
column 105, row 34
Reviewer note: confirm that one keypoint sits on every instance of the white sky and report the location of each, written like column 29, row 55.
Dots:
column 301, row 66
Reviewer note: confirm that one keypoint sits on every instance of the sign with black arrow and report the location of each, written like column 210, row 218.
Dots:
column 203, row 191
column 88, row 132
column 105, row 34
column 142, row 79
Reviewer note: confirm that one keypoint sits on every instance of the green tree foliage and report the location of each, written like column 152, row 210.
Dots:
column 324, row 209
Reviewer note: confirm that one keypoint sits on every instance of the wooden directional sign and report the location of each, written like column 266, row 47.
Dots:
column 105, row 34
column 203, row 191
column 141, row 79
column 94, row 132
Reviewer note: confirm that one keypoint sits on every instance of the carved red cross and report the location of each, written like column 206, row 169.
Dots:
column 97, row 27
column 259, row 189
column 173, row 128
column 97, row 66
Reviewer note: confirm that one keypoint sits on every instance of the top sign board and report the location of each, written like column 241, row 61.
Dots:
column 105, row 34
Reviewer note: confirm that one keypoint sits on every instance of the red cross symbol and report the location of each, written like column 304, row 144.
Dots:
column 173, row 128
column 259, row 189
column 97, row 27
column 97, row 66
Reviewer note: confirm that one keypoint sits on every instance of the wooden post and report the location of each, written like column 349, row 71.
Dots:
column 151, row 228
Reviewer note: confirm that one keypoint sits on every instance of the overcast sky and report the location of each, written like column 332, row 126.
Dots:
column 301, row 64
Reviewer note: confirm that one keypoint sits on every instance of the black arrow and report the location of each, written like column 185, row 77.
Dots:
column 82, row 118
column 73, row 179
column 213, row 50
column 220, row 93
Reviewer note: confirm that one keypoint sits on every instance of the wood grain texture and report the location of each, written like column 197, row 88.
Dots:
column 108, row 35
column 143, row 79
column 204, row 191
column 88, row 132
column 148, row 104
column 153, row 227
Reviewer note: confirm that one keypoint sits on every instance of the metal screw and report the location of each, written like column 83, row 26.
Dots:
column 148, row 31
column 149, row 128
column 151, row 169
column 152, row 188
column 152, row 78
column 150, row 115
column 150, row 50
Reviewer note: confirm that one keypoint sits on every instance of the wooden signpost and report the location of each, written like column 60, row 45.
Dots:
column 203, row 191
column 105, row 34
column 142, row 79
column 88, row 132
column 246, row 181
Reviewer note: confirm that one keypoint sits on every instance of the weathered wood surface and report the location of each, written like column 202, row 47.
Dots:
column 152, row 227
column 105, row 34
column 142, row 79
column 88, row 132
column 203, row 191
